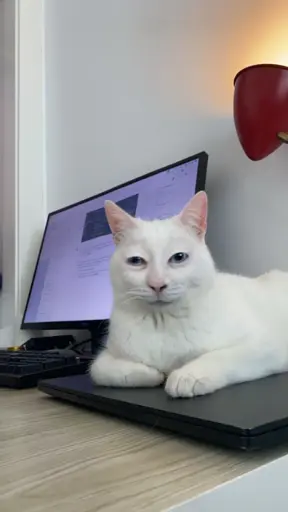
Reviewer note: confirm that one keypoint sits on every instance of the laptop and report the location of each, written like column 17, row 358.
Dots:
column 249, row 416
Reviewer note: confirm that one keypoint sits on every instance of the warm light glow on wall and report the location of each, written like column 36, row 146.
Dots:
column 259, row 38
column 271, row 45
column 283, row 59
column 195, row 78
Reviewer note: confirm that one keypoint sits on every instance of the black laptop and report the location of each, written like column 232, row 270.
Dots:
column 247, row 416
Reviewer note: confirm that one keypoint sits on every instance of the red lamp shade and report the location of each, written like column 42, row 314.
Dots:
column 261, row 109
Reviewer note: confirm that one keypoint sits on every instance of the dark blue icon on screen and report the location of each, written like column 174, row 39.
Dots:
column 96, row 224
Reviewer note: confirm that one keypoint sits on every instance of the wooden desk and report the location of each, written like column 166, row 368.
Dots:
column 60, row 458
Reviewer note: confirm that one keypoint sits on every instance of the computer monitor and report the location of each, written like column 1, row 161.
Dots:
column 71, row 287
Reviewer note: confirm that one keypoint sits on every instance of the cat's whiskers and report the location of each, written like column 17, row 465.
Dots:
column 128, row 300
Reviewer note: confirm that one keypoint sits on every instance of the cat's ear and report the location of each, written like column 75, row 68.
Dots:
column 118, row 220
column 195, row 213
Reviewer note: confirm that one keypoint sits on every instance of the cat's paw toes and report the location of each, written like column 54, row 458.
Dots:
column 183, row 384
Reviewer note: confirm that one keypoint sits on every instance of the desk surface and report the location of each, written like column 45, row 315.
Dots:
column 54, row 456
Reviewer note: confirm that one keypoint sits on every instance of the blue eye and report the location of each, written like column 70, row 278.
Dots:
column 136, row 261
column 178, row 258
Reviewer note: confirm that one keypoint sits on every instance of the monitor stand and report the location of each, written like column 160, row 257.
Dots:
column 98, row 332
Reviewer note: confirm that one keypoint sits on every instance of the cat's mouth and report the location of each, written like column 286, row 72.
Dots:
column 161, row 302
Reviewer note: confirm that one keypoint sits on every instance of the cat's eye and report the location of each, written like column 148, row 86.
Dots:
column 136, row 261
column 178, row 257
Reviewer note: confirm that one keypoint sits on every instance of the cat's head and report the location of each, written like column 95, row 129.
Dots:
column 159, row 261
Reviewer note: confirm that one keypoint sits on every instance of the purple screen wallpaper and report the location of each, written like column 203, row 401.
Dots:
column 72, row 279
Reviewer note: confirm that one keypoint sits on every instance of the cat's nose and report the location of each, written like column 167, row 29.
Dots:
column 158, row 288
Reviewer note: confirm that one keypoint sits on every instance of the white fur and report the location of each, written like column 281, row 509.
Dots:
column 210, row 329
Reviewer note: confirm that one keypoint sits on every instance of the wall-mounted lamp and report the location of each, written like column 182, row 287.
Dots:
column 261, row 108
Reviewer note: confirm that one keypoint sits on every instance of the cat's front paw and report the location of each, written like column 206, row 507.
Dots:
column 109, row 371
column 139, row 376
column 188, row 382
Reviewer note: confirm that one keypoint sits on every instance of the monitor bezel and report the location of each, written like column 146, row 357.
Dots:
column 93, row 324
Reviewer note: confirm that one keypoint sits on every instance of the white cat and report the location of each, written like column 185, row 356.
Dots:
column 176, row 318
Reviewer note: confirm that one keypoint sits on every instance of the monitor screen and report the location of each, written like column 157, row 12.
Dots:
column 71, row 285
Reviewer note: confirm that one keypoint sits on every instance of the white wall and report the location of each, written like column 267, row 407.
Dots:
column 31, row 177
column 23, row 185
column 137, row 84
column 8, row 171
column 2, row 67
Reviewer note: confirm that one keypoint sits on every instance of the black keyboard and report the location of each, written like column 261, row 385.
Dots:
column 23, row 369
